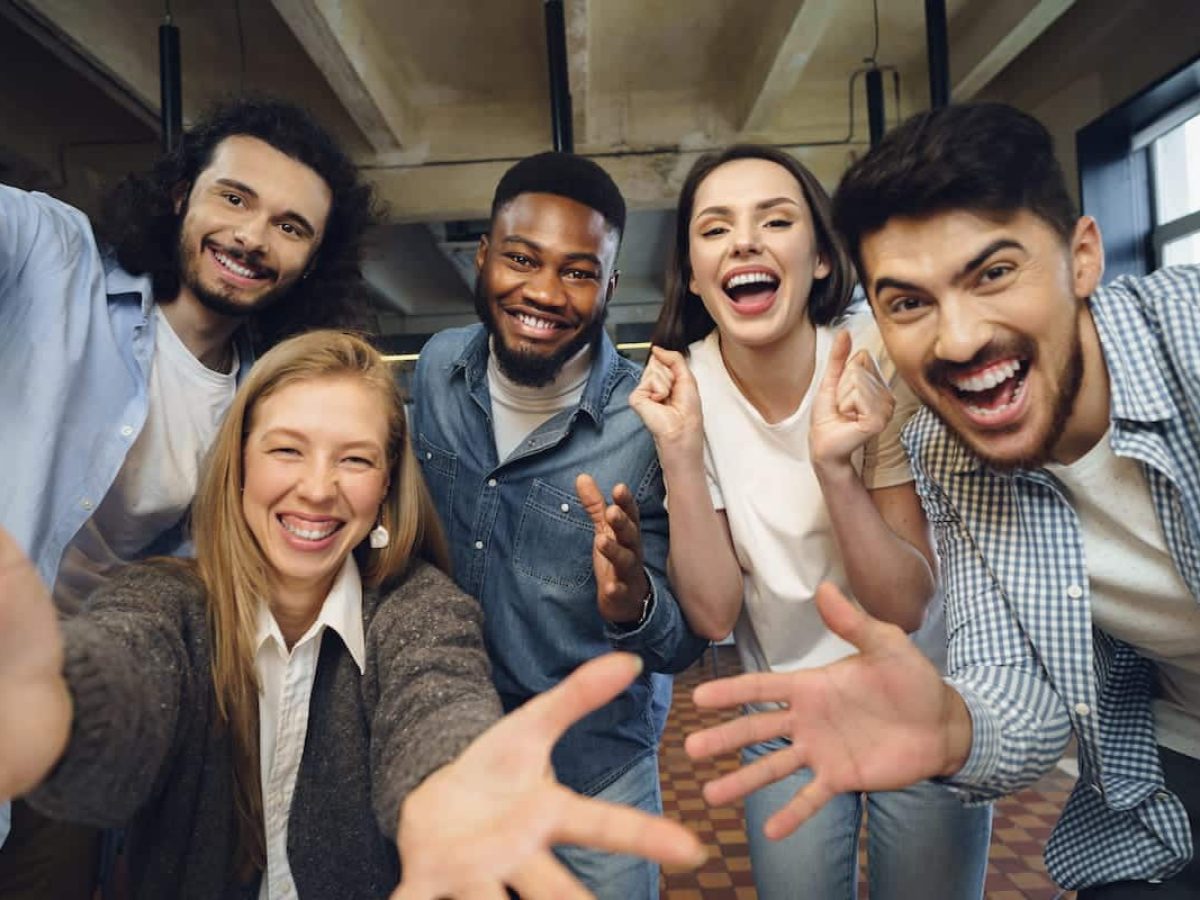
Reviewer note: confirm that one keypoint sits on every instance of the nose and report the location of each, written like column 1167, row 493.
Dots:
column 962, row 331
column 544, row 288
column 746, row 239
column 318, row 482
column 250, row 233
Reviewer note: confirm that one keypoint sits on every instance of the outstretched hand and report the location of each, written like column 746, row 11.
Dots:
column 852, row 405
column 35, row 705
column 879, row 720
column 488, row 820
column 621, row 581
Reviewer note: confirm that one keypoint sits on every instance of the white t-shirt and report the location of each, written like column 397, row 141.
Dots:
column 1136, row 592
column 285, row 687
column 519, row 410
column 158, row 479
column 761, row 476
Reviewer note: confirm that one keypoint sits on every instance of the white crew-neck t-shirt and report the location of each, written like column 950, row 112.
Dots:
column 760, row 474
column 158, row 479
column 1135, row 591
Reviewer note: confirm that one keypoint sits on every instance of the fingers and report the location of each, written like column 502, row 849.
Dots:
column 807, row 803
column 545, row 877
column 593, row 501
column 622, row 829
column 773, row 767
column 657, row 380
column 737, row 733
column 624, row 517
column 757, row 687
column 588, row 688
column 863, row 395
column 850, row 622
column 838, row 354
column 673, row 361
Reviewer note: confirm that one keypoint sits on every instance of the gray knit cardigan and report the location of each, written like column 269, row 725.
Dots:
column 146, row 751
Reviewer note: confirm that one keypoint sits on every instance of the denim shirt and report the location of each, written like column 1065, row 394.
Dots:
column 76, row 344
column 522, row 543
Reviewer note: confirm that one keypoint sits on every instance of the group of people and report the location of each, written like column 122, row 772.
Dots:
column 295, row 642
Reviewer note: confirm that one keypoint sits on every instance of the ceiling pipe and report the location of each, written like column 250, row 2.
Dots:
column 169, row 81
column 875, row 108
column 937, row 46
column 561, row 126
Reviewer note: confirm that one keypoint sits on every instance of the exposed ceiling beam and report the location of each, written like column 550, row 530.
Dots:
column 464, row 191
column 339, row 37
column 59, row 37
column 981, row 47
column 788, row 33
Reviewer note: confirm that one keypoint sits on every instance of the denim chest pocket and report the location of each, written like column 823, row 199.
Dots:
column 554, row 538
column 439, row 468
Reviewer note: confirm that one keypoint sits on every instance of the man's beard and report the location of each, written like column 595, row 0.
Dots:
column 523, row 367
column 189, row 277
column 1068, row 385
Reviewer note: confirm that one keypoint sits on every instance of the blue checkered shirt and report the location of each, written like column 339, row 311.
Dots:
column 1023, row 653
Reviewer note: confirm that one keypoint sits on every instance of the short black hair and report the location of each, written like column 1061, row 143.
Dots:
column 138, row 219
column 683, row 318
column 988, row 158
column 567, row 175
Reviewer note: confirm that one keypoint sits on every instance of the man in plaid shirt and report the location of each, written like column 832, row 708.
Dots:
column 1058, row 461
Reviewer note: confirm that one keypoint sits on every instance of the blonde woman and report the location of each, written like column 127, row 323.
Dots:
column 259, row 717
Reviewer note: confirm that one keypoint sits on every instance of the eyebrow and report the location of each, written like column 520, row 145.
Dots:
column 538, row 248
column 284, row 431
column 244, row 188
column 971, row 265
column 765, row 204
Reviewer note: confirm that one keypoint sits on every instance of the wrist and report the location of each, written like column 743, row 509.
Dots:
column 634, row 612
column 835, row 472
column 957, row 733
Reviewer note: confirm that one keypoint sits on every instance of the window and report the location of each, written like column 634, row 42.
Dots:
column 1175, row 172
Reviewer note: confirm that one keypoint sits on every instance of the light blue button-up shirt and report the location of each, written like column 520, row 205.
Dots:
column 1023, row 652
column 5, row 821
column 76, row 344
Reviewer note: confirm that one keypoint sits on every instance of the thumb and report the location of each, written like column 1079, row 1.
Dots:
column 591, row 498
column 838, row 355
column 849, row 621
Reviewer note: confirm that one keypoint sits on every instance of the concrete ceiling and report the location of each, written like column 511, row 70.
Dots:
column 435, row 100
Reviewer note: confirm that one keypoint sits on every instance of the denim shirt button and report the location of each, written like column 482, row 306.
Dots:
column 479, row 545
column 491, row 482
column 565, row 507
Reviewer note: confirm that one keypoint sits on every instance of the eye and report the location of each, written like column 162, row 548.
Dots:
column 234, row 200
column 779, row 224
column 995, row 272
column 519, row 259
column 284, row 452
column 580, row 275
column 713, row 231
column 289, row 229
column 905, row 306
column 359, row 462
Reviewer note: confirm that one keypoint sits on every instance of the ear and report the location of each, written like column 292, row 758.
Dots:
column 692, row 284
column 822, row 269
column 481, row 253
column 612, row 286
column 1087, row 257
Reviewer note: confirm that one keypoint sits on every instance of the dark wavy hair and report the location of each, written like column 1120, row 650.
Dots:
column 139, row 222
column 987, row 158
column 683, row 318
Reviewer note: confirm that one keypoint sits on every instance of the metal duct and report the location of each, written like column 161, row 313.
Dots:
column 171, row 105
column 875, row 110
column 937, row 47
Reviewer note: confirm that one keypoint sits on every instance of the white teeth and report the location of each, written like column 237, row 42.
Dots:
column 310, row 534
column 535, row 322
column 995, row 412
column 751, row 278
column 235, row 268
column 989, row 379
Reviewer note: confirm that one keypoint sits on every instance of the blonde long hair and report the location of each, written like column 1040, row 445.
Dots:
column 232, row 565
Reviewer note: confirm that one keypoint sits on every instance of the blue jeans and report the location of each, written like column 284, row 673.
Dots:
column 921, row 842
column 612, row 876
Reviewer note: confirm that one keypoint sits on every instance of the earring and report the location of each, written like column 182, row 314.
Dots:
column 379, row 537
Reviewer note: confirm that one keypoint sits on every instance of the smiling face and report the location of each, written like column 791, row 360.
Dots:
column 546, row 272
column 987, row 321
column 753, row 252
column 315, row 464
column 252, row 221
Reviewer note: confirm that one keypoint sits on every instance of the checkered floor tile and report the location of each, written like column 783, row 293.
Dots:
column 1019, row 831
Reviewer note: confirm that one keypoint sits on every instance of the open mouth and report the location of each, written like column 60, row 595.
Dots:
column 309, row 530
column 990, row 393
column 751, row 290
column 240, row 267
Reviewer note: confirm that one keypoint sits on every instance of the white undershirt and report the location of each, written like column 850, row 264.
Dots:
column 519, row 410
column 285, row 686
column 760, row 475
column 1136, row 592
column 187, row 401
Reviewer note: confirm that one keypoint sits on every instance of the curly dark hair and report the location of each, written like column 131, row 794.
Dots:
column 138, row 218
